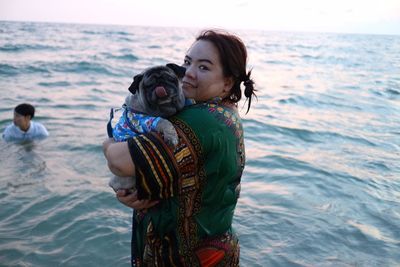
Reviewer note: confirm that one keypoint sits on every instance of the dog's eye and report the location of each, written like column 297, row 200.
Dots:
column 149, row 83
column 171, row 79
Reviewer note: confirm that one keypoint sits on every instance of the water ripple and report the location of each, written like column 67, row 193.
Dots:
column 321, row 183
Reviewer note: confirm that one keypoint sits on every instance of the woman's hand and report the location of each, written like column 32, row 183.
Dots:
column 131, row 200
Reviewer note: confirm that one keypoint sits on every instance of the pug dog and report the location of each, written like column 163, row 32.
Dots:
column 155, row 94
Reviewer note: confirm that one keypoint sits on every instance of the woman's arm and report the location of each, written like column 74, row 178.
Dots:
column 118, row 157
column 121, row 164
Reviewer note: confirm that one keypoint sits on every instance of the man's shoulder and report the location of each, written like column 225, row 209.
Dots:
column 10, row 128
column 10, row 132
column 39, row 128
column 36, row 126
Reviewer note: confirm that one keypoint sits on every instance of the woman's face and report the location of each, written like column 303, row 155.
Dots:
column 204, row 77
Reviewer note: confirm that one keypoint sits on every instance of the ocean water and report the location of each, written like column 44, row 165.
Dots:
column 322, row 180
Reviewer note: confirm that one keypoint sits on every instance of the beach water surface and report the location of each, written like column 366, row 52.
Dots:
column 322, row 180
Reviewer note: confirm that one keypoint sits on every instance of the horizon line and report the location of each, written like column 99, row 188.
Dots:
column 198, row 27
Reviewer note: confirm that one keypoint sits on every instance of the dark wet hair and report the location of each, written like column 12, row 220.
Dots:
column 25, row 110
column 233, row 57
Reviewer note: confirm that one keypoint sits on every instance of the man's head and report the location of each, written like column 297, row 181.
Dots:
column 23, row 113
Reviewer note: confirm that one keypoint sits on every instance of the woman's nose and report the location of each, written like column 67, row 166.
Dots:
column 190, row 72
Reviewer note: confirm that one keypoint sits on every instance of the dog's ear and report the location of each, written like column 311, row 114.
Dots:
column 179, row 70
column 135, row 84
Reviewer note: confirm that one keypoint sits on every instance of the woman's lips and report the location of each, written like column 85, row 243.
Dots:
column 187, row 85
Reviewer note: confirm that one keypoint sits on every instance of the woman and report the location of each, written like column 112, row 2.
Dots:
column 186, row 196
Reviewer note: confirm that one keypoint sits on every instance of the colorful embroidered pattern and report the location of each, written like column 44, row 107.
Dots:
column 173, row 232
column 226, row 115
column 159, row 250
column 219, row 251
column 156, row 178
column 191, row 185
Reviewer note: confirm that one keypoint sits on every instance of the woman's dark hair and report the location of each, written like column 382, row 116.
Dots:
column 233, row 57
column 25, row 110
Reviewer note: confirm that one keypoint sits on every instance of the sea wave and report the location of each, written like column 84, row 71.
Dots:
column 321, row 182
column 15, row 48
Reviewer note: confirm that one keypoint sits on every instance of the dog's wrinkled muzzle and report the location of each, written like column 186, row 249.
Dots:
column 161, row 92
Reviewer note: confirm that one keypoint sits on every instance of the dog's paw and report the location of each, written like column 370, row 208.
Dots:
column 171, row 137
column 167, row 129
column 118, row 183
column 171, row 142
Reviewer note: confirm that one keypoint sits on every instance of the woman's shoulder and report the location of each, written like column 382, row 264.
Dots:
column 208, row 110
column 210, row 116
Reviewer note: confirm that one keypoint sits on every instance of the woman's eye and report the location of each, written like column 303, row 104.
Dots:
column 186, row 62
column 202, row 67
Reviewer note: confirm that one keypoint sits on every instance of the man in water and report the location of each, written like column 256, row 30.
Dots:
column 23, row 128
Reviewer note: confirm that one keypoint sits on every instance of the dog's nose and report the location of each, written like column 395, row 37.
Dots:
column 160, row 91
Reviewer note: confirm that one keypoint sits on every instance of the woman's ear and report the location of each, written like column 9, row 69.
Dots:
column 228, row 84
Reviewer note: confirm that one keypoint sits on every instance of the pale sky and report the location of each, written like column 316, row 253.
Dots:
column 349, row 16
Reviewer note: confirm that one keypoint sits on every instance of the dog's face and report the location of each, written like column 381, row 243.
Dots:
column 157, row 91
